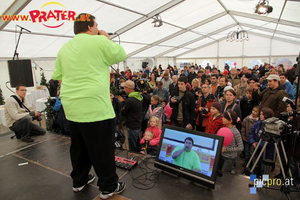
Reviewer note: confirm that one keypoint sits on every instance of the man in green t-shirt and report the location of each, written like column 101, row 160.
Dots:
column 82, row 67
column 186, row 157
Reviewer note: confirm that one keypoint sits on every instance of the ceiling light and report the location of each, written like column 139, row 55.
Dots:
column 157, row 21
column 238, row 36
column 263, row 7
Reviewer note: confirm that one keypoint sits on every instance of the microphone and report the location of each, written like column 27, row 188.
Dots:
column 24, row 28
column 112, row 33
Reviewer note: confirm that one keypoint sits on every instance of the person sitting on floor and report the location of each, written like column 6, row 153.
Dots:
column 19, row 118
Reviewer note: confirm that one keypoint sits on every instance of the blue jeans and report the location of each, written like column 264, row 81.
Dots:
column 295, row 171
column 133, row 140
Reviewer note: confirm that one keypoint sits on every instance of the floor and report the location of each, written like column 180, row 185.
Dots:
column 41, row 170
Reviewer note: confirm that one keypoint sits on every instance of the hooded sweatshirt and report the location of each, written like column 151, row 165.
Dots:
column 132, row 110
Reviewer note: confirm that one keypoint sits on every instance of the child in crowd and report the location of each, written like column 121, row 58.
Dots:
column 229, row 152
column 154, row 126
column 215, row 121
column 147, row 148
column 155, row 109
column 247, row 103
column 255, row 134
column 248, row 122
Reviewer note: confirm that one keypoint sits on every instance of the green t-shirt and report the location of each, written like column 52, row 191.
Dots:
column 83, row 66
column 189, row 160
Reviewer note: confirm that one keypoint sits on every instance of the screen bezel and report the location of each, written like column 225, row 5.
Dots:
column 185, row 171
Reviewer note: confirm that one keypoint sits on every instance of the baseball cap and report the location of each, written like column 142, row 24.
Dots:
column 273, row 77
column 128, row 84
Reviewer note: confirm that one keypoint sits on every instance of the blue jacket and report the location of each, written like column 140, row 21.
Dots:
column 295, row 88
column 164, row 95
column 289, row 89
column 254, row 136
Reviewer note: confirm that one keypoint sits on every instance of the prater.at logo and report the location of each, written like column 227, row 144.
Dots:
column 267, row 182
column 51, row 15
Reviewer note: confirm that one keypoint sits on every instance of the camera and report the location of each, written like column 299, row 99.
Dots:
column 120, row 92
column 204, row 111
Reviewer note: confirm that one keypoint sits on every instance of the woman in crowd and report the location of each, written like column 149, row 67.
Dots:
column 152, row 82
column 230, row 103
column 175, row 72
column 195, row 88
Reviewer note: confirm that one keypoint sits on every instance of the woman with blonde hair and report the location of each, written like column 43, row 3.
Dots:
column 195, row 88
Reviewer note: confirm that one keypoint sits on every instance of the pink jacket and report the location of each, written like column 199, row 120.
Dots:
column 156, row 137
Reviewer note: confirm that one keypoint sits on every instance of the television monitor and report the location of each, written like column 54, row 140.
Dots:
column 20, row 72
column 190, row 154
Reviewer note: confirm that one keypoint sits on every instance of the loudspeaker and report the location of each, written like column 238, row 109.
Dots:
column 20, row 72
column 144, row 64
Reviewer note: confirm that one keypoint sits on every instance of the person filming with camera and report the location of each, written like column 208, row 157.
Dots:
column 19, row 119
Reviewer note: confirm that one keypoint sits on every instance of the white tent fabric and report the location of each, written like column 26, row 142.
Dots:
column 192, row 30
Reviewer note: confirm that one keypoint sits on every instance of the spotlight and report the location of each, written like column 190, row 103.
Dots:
column 157, row 21
column 263, row 7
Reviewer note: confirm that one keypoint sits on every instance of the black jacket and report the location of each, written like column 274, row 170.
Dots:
column 132, row 110
column 173, row 88
column 247, row 107
column 219, row 92
column 191, row 77
column 188, row 103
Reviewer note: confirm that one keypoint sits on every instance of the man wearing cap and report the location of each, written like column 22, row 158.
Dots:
column 132, row 110
column 162, row 92
column 233, row 78
column 272, row 96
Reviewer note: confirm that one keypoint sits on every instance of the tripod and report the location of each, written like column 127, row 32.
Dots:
column 269, row 138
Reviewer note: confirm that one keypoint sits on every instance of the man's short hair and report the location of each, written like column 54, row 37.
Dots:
column 284, row 74
column 183, row 79
column 144, row 75
column 226, row 79
column 215, row 75
column 189, row 138
column 82, row 21
column 192, row 67
column 159, row 83
column 166, row 74
column 20, row 85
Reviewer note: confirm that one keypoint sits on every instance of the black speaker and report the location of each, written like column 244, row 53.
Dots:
column 20, row 72
column 144, row 64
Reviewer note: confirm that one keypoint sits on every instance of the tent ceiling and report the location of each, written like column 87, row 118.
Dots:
column 189, row 25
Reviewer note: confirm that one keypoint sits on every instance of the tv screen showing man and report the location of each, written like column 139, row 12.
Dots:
column 186, row 157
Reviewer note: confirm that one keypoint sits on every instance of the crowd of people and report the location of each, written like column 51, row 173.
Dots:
column 205, row 99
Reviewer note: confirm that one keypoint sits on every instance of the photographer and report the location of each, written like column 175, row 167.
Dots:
column 19, row 119
column 203, row 108
column 132, row 110
column 183, row 104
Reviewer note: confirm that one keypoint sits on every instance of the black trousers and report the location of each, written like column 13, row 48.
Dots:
column 92, row 144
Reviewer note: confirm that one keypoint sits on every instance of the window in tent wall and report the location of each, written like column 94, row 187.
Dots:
column 254, row 62
column 287, row 64
column 204, row 63
column 230, row 63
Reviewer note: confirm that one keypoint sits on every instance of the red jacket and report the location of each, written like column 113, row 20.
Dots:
column 214, row 125
column 156, row 137
column 205, row 118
